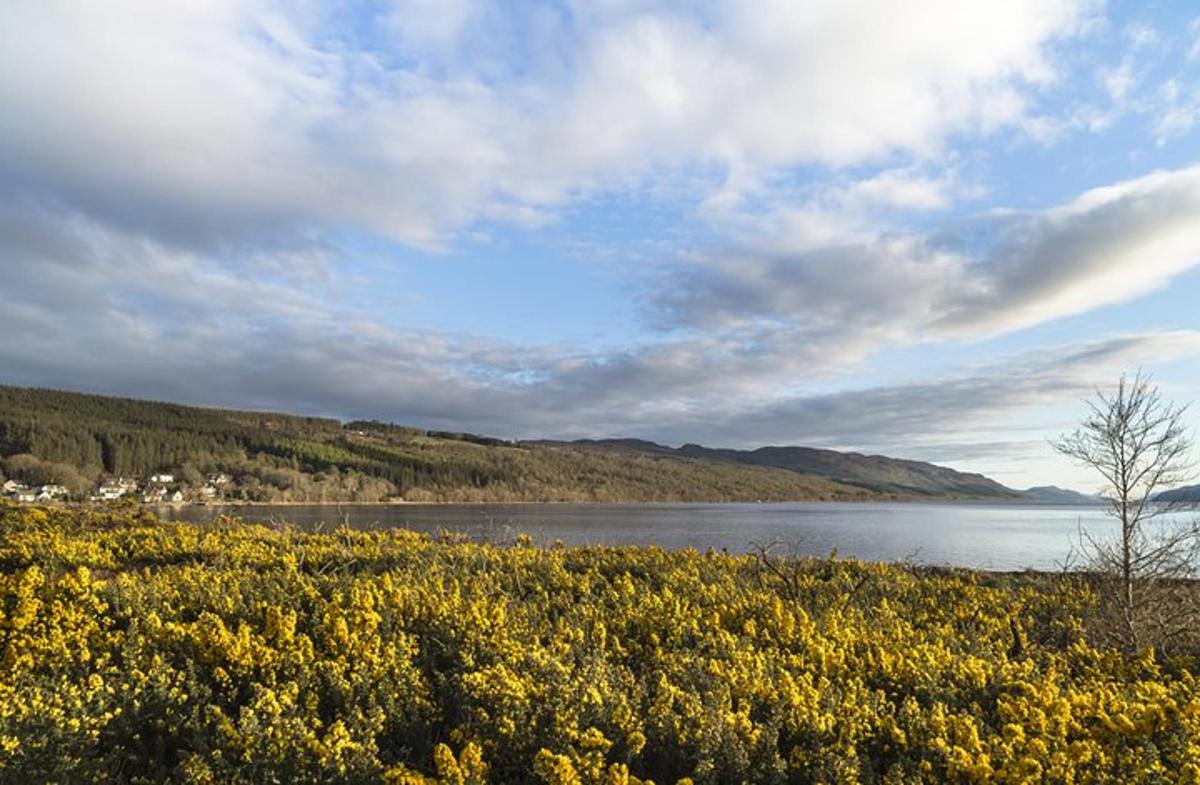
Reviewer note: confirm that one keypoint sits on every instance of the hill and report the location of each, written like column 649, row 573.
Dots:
column 1052, row 494
column 1189, row 494
column 875, row 474
column 73, row 439
column 78, row 440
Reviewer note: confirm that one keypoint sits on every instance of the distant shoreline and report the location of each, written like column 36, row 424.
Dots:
column 405, row 503
column 235, row 505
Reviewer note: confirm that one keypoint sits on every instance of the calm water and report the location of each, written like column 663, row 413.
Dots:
column 989, row 536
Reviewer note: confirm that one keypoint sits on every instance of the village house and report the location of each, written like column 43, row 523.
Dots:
column 114, row 489
column 51, row 492
column 163, row 479
column 20, row 492
column 154, row 495
column 219, row 479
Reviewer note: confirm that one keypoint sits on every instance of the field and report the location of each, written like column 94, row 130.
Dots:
column 133, row 650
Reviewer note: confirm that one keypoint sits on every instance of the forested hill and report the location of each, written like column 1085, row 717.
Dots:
column 872, row 473
column 79, row 440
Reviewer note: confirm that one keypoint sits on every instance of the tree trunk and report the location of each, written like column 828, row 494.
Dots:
column 1127, row 576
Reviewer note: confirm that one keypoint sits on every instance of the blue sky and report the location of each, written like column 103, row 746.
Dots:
column 927, row 234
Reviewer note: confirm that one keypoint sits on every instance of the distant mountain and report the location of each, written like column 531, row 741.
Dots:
column 1189, row 494
column 877, row 474
column 1052, row 494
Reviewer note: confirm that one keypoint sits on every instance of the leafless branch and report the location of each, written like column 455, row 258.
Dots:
column 1140, row 446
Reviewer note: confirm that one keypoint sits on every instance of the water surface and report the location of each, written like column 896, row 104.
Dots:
column 986, row 536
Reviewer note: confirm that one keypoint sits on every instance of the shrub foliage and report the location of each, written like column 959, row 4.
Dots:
column 138, row 651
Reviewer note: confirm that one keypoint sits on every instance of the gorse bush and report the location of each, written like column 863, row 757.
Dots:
column 138, row 651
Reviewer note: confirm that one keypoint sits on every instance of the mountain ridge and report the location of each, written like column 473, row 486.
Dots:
column 876, row 473
column 1053, row 494
column 1187, row 494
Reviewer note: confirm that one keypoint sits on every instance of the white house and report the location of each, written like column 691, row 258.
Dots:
column 177, row 497
column 218, row 479
column 108, row 492
column 154, row 495
column 163, row 479
column 49, row 493
column 19, row 491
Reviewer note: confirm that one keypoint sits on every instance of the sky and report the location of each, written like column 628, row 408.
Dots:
column 930, row 232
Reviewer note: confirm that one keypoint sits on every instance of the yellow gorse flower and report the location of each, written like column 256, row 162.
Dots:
column 138, row 651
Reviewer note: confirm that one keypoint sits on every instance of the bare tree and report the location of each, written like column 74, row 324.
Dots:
column 1140, row 445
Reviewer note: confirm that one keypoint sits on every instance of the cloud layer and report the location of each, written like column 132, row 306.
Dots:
column 202, row 122
column 186, row 190
column 1001, row 271
column 87, row 307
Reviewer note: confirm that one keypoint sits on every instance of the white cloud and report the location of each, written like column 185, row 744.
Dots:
column 776, row 219
column 1109, row 245
column 906, row 189
column 208, row 119
column 430, row 27
column 1118, row 81
column 941, row 415
column 1142, row 35
column 1006, row 271
column 1177, row 110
